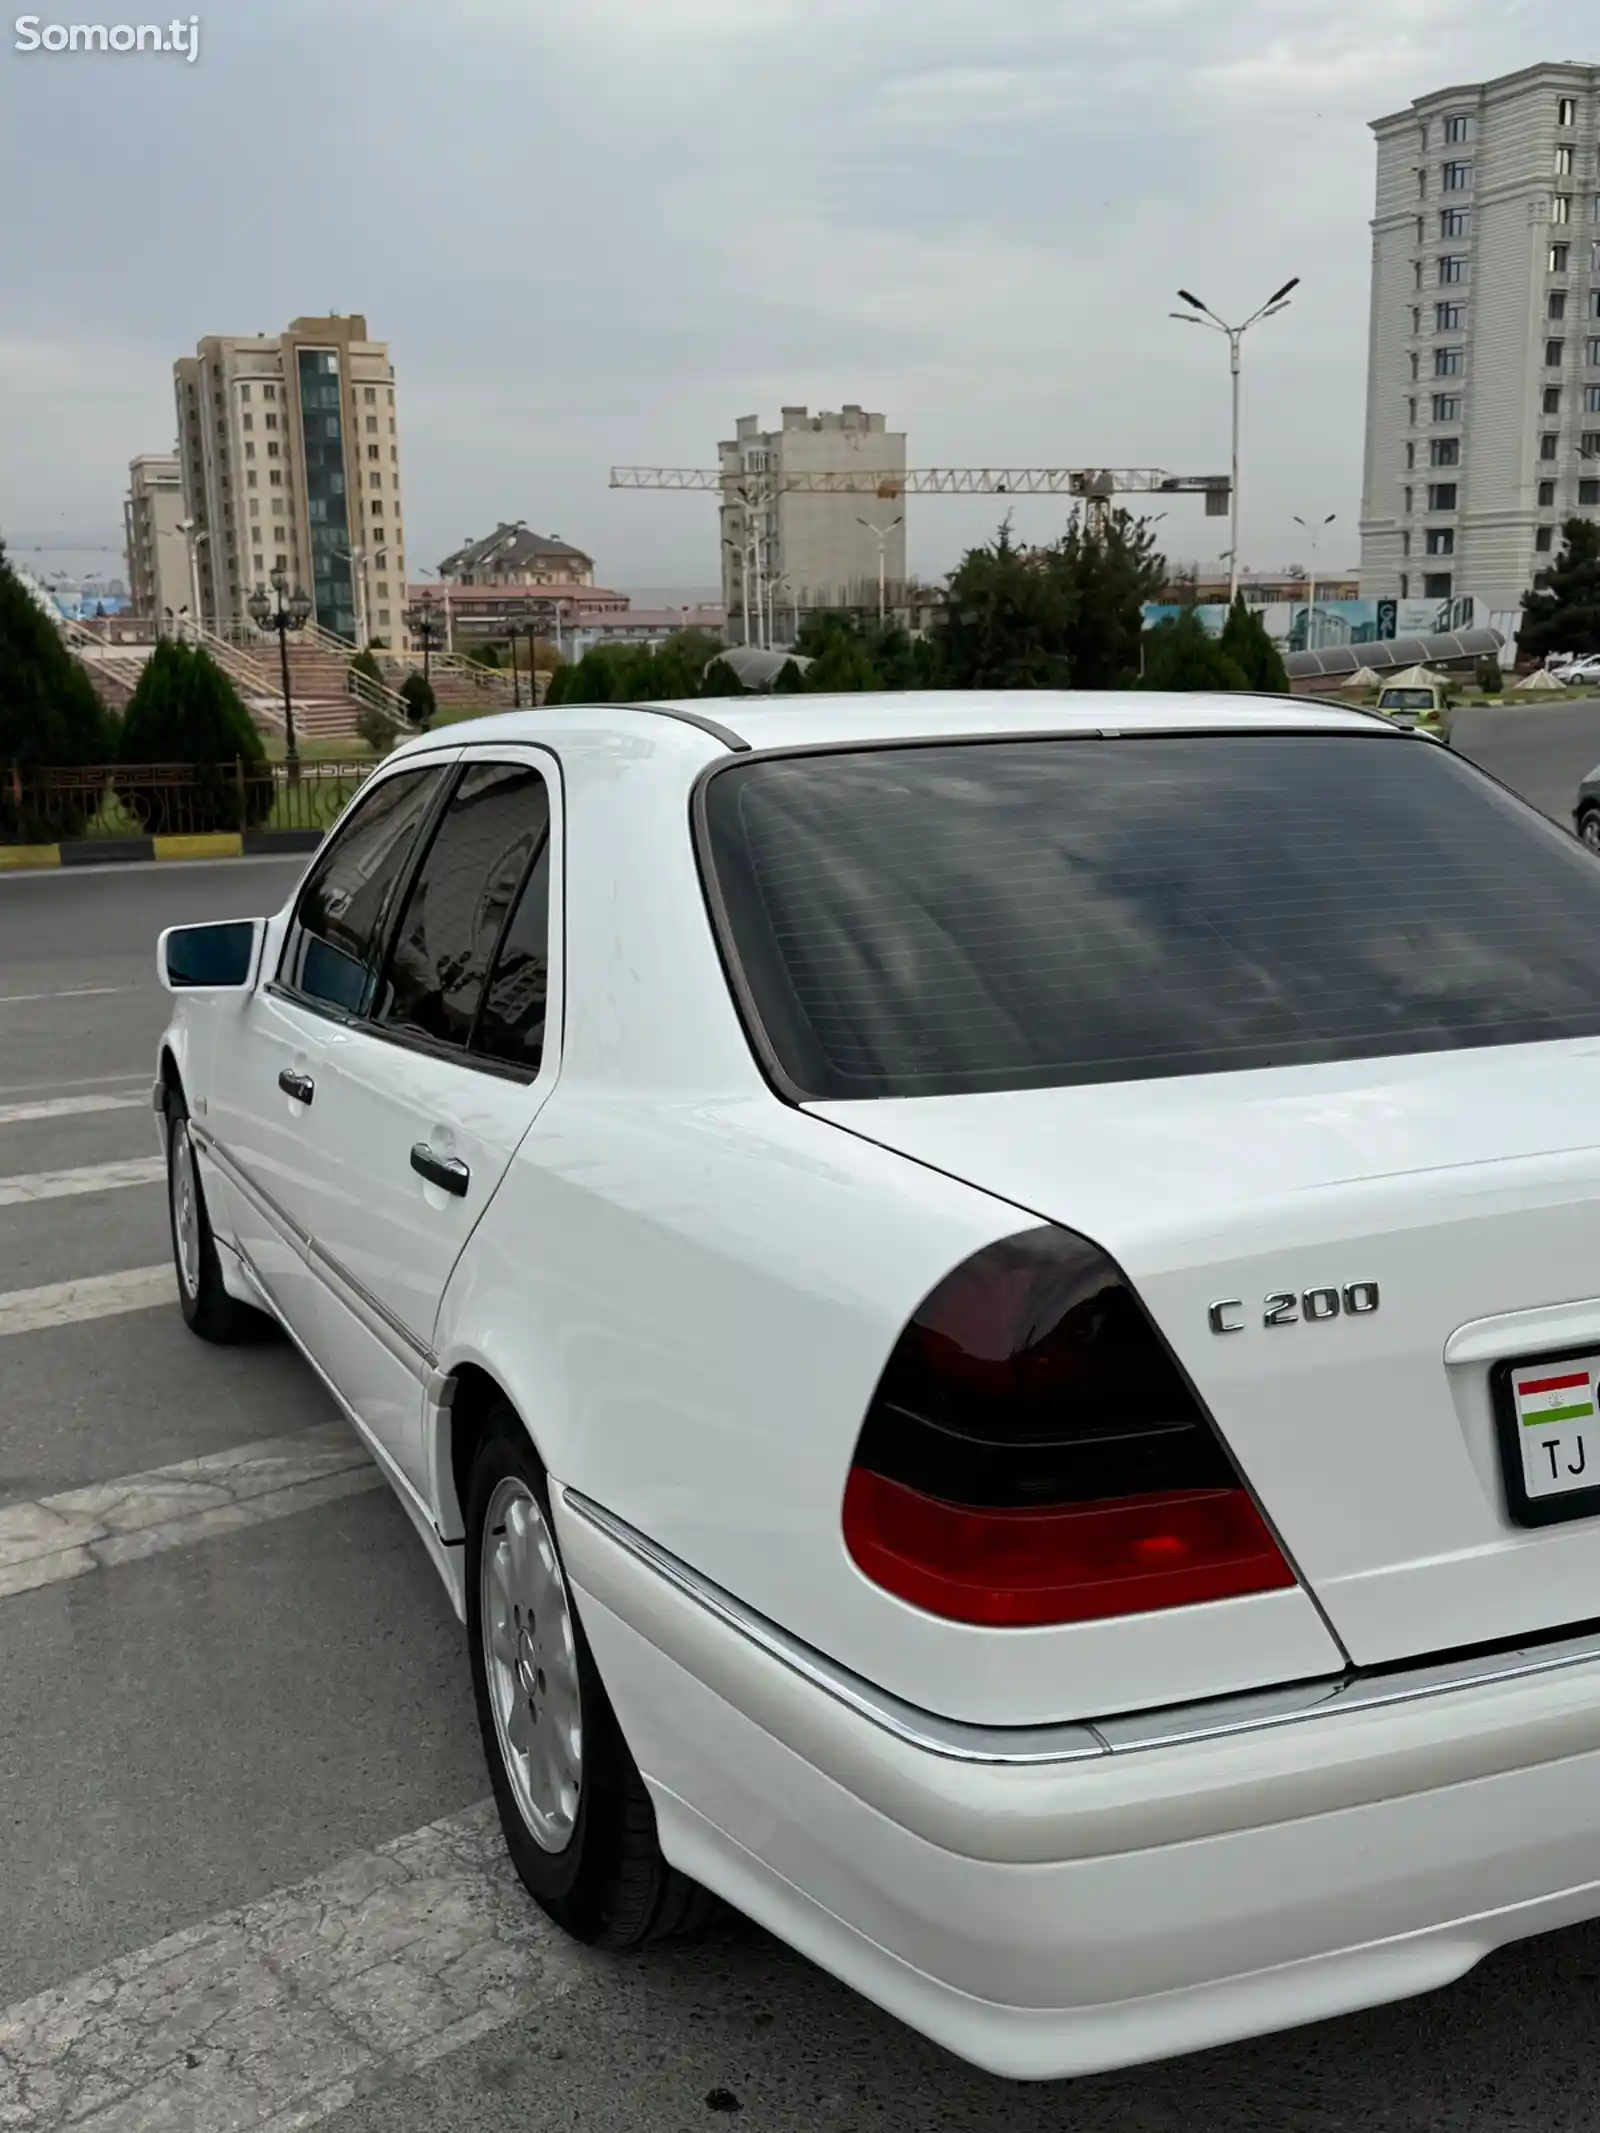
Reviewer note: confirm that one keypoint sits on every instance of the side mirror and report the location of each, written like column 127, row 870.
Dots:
column 220, row 958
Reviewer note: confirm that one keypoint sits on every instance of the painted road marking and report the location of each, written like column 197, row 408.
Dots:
column 73, row 992
column 109, row 1523
column 78, row 1081
column 68, row 1107
column 284, row 2011
column 70, row 1303
column 67, row 1184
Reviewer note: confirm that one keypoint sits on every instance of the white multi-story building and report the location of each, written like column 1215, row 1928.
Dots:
column 1483, row 384
column 158, row 555
column 291, row 461
column 789, row 550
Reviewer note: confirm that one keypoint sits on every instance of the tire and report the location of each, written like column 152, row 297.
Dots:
column 208, row 1310
column 578, row 1822
column 1589, row 829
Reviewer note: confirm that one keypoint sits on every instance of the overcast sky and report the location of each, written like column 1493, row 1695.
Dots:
column 596, row 231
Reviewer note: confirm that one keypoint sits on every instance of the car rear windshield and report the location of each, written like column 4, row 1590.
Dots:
column 907, row 921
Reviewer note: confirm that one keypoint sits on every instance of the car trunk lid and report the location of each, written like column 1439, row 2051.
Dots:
column 1459, row 1191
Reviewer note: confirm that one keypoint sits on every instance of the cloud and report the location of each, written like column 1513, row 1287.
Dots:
column 601, row 230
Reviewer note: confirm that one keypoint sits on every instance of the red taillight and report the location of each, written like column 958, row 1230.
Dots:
column 1033, row 1454
column 1010, row 1569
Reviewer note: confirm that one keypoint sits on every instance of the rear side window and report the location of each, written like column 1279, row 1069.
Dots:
column 1035, row 914
column 511, row 1024
column 465, row 891
column 328, row 952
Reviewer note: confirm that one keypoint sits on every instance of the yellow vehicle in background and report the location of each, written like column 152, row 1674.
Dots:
column 1417, row 700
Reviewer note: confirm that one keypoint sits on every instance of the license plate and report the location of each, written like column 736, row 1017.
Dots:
column 1548, row 1415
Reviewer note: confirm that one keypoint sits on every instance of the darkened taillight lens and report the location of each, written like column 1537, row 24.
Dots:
column 1033, row 1454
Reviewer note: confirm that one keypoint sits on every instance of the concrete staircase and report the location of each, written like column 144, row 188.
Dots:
column 114, row 669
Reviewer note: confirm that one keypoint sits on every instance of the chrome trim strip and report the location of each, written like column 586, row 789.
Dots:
column 381, row 1323
column 920, row 1729
column 1178, row 1725
column 410, row 1499
column 262, row 1201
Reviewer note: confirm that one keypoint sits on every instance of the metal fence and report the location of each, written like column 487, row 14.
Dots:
column 48, row 806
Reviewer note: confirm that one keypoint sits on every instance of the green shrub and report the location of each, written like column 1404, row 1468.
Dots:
column 51, row 717
column 186, row 717
column 416, row 692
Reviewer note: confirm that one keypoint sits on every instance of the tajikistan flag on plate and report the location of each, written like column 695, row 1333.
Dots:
column 1559, row 1396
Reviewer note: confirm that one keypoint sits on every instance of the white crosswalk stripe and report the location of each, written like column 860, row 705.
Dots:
column 68, row 1107
column 274, row 2016
column 79, row 1531
column 68, row 1184
column 73, row 992
column 69, row 1303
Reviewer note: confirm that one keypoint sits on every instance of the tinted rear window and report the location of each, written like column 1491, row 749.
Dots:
column 1026, row 914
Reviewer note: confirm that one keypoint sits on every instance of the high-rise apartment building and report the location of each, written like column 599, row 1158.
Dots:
column 290, row 452
column 793, row 549
column 1483, row 387
column 158, row 554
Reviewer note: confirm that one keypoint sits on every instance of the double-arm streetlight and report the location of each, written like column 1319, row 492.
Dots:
column 1312, row 528
column 1200, row 314
column 284, row 612
column 881, row 535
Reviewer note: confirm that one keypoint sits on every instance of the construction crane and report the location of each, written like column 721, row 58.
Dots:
column 753, row 491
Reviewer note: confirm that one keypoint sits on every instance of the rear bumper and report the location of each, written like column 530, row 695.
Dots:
column 1105, row 1904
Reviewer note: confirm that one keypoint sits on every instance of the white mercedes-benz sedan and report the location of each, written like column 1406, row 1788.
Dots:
column 989, row 1306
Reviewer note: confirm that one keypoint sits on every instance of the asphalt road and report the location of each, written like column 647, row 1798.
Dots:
column 1540, row 749
column 246, row 1879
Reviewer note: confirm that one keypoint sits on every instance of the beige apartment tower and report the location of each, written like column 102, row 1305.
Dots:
column 290, row 454
column 1483, row 389
column 789, row 550
column 159, row 582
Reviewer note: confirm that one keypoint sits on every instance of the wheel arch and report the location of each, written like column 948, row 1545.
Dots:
column 464, row 1406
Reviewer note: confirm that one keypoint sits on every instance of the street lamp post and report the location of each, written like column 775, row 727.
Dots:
column 284, row 612
column 358, row 559
column 1313, row 533
column 193, row 534
column 1200, row 314
column 881, row 535
column 424, row 624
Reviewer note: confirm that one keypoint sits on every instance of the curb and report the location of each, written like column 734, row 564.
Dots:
column 118, row 851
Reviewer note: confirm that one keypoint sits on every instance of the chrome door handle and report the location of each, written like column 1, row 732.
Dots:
column 448, row 1173
column 300, row 1086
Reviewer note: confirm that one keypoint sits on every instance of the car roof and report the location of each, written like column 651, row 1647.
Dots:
column 762, row 722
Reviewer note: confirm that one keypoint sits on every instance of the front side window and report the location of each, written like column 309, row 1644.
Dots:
column 1034, row 914
column 1452, row 267
column 328, row 954
column 1458, row 177
column 1442, row 496
column 1447, row 362
column 433, row 982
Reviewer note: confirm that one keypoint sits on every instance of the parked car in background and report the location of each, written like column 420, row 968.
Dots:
column 1582, row 674
column 989, row 1308
column 1586, row 810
